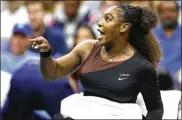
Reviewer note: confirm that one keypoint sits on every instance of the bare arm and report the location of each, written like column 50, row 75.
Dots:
column 53, row 69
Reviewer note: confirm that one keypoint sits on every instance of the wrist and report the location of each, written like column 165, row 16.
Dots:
column 46, row 54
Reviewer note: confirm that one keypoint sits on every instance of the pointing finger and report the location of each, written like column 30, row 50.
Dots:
column 32, row 40
column 37, row 40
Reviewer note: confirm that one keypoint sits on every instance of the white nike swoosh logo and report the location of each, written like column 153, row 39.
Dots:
column 122, row 78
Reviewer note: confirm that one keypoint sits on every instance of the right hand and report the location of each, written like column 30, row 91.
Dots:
column 40, row 43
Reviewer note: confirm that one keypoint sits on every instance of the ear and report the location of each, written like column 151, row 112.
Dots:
column 124, row 27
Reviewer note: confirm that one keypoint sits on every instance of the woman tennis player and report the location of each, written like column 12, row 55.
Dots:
column 116, row 67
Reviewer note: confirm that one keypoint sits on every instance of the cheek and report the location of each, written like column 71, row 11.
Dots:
column 167, row 15
column 41, row 16
column 38, row 16
column 112, row 32
column 175, row 15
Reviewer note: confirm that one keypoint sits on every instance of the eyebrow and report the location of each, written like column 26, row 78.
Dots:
column 108, row 14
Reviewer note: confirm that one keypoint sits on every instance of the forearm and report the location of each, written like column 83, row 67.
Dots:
column 48, row 68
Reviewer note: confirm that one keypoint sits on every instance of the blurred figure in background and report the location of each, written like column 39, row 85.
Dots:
column 29, row 92
column 36, row 12
column 48, row 12
column 169, row 35
column 15, row 53
column 83, row 32
column 14, row 13
column 68, row 18
column 148, row 4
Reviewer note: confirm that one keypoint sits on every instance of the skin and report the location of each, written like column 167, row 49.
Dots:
column 114, row 39
column 19, row 43
column 82, row 34
column 36, row 15
column 71, row 8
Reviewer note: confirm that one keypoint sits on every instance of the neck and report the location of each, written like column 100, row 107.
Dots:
column 117, row 48
column 169, row 32
column 17, row 53
column 39, row 31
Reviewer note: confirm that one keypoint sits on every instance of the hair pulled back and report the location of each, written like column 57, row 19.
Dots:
column 142, row 20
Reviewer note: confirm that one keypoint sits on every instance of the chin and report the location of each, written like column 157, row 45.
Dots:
column 101, row 43
column 105, row 43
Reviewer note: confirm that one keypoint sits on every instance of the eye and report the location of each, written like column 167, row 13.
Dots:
column 107, row 19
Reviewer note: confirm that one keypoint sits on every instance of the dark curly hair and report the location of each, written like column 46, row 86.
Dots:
column 142, row 20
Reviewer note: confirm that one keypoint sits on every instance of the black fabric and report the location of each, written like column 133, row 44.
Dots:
column 122, row 84
column 165, row 79
column 60, row 117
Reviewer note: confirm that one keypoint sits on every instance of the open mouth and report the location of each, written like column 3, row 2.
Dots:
column 101, row 32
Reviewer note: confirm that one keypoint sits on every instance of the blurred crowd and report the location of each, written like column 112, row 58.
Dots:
column 65, row 24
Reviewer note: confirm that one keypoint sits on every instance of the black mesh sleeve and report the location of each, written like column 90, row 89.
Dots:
column 149, row 88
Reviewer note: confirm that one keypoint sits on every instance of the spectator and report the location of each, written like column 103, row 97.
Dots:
column 54, row 36
column 68, row 18
column 168, row 34
column 15, row 53
column 148, row 4
column 14, row 13
column 29, row 91
column 83, row 32
column 48, row 11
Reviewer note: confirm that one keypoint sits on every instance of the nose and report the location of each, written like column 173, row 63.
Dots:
column 100, row 23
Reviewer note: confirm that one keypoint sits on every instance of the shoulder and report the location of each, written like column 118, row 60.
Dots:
column 149, row 67
column 86, row 45
column 84, row 48
column 26, row 71
column 141, row 60
column 147, row 72
column 144, row 64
